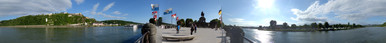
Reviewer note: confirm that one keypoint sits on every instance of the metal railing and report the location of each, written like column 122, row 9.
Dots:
column 249, row 40
column 141, row 39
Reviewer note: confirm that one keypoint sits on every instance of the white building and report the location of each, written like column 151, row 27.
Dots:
column 97, row 24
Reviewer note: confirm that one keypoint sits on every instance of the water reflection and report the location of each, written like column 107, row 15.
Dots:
column 68, row 35
column 263, row 36
column 360, row 35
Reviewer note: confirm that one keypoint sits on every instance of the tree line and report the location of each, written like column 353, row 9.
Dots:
column 121, row 22
column 326, row 25
column 42, row 19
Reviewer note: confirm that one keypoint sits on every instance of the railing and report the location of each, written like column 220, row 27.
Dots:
column 141, row 39
column 249, row 40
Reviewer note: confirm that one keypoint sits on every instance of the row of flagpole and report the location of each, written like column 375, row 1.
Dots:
column 155, row 9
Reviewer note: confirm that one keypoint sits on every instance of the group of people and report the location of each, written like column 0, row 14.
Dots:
column 192, row 29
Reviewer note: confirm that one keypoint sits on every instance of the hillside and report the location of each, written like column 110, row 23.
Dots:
column 119, row 22
column 384, row 24
column 49, row 19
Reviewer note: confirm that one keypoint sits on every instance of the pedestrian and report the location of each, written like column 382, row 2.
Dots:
column 195, row 28
column 178, row 28
column 192, row 29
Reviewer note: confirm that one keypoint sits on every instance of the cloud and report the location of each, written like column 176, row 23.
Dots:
column 109, row 16
column 95, row 7
column 108, row 6
column 79, row 1
column 353, row 10
column 116, row 12
column 28, row 7
column 125, row 14
column 242, row 22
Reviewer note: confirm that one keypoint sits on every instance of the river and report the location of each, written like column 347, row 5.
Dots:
column 360, row 35
column 117, row 34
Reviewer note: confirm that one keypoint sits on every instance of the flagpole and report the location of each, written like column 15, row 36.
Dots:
column 171, row 18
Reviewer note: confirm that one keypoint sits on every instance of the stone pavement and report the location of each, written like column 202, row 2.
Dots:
column 203, row 35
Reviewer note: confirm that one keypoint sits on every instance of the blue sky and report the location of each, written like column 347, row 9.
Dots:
column 235, row 12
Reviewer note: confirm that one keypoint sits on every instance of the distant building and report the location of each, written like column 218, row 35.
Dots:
column 279, row 27
column 97, row 24
column 272, row 24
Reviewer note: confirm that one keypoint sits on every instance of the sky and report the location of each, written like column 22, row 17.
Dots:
column 234, row 12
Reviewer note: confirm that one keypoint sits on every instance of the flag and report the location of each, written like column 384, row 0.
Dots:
column 219, row 12
column 177, row 19
column 168, row 11
column 154, row 12
column 154, row 7
column 155, row 16
column 174, row 15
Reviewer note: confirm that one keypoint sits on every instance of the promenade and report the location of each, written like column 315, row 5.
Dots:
column 203, row 35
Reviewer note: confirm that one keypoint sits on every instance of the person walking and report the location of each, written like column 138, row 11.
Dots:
column 192, row 28
column 178, row 28
column 195, row 28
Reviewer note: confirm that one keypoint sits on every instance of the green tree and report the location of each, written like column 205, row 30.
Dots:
column 159, row 21
column 152, row 20
column 195, row 22
column 320, row 25
column 214, row 23
column 354, row 25
column 181, row 22
column 306, row 26
column 314, row 25
column 55, row 19
column 188, row 22
column 326, row 25
column 384, row 24
column 121, row 22
column 293, row 25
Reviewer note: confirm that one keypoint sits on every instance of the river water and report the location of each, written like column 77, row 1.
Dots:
column 360, row 35
column 117, row 34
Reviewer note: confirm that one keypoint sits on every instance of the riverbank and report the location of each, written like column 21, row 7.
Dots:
column 116, row 34
column 309, row 30
column 292, row 30
column 37, row 26
column 359, row 35
column 54, row 26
